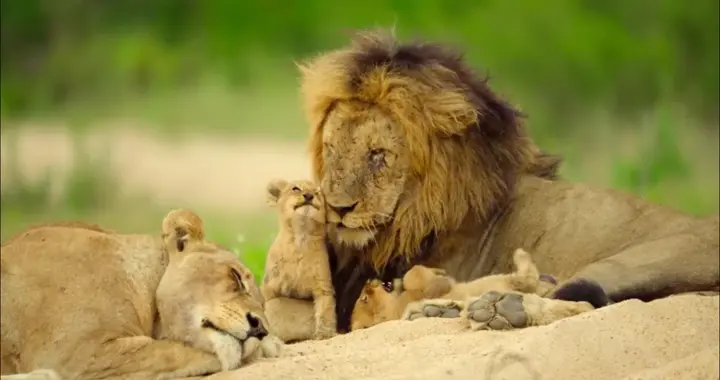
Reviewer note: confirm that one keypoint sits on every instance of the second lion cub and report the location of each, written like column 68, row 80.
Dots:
column 297, row 263
column 376, row 304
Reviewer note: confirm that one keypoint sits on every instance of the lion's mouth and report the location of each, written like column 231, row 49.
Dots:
column 303, row 204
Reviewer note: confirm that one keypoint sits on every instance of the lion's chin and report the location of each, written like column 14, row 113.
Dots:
column 355, row 237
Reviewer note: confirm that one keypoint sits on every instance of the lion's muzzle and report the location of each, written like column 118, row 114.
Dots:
column 257, row 329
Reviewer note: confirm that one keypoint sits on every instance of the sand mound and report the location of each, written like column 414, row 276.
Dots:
column 672, row 338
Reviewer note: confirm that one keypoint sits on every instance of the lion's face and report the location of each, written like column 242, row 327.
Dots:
column 209, row 300
column 366, row 170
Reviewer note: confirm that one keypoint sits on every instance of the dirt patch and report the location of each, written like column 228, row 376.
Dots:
column 208, row 170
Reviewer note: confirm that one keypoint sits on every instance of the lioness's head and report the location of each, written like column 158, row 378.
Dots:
column 407, row 141
column 296, row 201
column 206, row 297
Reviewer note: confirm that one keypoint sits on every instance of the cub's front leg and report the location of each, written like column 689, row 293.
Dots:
column 325, row 317
column 324, row 303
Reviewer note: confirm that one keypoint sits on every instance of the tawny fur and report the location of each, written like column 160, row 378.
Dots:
column 297, row 264
column 80, row 302
column 376, row 304
column 409, row 145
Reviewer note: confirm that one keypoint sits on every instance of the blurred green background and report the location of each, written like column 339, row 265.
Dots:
column 113, row 112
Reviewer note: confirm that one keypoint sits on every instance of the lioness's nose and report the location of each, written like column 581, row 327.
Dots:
column 343, row 210
column 256, row 326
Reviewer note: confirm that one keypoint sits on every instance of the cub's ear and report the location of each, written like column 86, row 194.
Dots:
column 274, row 188
column 181, row 227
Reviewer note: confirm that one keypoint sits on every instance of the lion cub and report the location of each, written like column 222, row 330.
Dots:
column 297, row 263
column 376, row 304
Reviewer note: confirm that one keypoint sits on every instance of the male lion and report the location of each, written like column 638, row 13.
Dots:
column 421, row 163
column 376, row 304
column 297, row 263
column 87, row 303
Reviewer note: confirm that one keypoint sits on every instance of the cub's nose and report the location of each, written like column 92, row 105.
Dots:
column 308, row 197
column 256, row 326
column 343, row 210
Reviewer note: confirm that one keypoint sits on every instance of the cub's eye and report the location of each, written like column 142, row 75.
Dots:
column 296, row 189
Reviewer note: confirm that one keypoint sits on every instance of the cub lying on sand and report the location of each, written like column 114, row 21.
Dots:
column 297, row 263
column 376, row 304
column 88, row 303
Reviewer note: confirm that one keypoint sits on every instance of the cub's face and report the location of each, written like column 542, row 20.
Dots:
column 297, row 200
column 365, row 171
column 374, row 305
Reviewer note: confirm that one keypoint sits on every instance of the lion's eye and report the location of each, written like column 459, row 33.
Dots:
column 377, row 156
column 296, row 189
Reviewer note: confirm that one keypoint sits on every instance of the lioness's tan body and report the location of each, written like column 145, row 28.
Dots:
column 421, row 162
column 89, row 304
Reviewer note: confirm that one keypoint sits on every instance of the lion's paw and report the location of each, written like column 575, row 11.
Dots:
column 271, row 346
column 268, row 347
column 496, row 311
column 438, row 308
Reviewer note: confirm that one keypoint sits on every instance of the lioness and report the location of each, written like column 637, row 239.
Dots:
column 421, row 162
column 376, row 304
column 297, row 263
column 87, row 303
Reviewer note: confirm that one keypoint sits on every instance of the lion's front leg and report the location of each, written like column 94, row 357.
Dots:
column 498, row 311
column 505, row 311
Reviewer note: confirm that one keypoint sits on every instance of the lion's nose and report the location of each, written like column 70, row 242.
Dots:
column 308, row 197
column 343, row 210
column 256, row 327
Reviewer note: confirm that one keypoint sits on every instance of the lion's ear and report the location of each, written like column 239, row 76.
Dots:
column 274, row 188
column 181, row 227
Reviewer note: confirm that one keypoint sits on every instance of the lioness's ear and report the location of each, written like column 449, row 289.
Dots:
column 274, row 188
column 181, row 227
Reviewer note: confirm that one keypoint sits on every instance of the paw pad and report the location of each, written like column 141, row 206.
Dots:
column 435, row 310
column 495, row 311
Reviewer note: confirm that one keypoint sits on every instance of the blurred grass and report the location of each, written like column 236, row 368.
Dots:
column 567, row 58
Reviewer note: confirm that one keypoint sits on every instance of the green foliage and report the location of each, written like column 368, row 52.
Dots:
column 661, row 159
column 568, row 55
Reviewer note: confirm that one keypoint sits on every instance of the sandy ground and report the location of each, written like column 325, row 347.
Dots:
column 673, row 338
column 212, row 171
